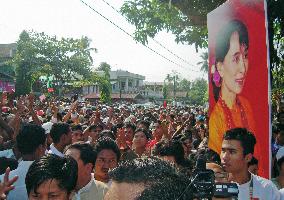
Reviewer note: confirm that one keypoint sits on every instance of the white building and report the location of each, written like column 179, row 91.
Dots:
column 121, row 82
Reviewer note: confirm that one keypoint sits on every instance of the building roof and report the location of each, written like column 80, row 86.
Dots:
column 146, row 83
column 124, row 74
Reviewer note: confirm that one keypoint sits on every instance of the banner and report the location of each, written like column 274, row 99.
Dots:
column 238, row 75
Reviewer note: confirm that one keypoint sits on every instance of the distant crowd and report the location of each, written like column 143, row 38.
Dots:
column 69, row 149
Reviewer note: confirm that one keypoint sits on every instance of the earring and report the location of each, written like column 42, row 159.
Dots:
column 217, row 78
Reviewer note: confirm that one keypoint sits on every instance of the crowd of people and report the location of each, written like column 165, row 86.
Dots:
column 70, row 149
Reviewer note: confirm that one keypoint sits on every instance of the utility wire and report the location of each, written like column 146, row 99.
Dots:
column 133, row 37
column 157, row 42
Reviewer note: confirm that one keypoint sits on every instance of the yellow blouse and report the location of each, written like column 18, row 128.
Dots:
column 218, row 123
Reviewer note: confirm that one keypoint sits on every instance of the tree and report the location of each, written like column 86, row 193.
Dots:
column 165, row 91
column 39, row 54
column 196, row 94
column 104, row 82
column 204, row 63
column 186, row 19
column 184, row 85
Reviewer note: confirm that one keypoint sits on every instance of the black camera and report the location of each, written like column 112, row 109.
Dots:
column 202, row 184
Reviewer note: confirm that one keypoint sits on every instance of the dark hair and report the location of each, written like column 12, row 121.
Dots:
column 130, row 125
column 145, row 123
column 253, row 161
column 107, row 143
column 160, row 179
column 107, row 133
column 246, row 138
column 64, row 170
column 87, row 152
column 147, row 134
column 7, row 162
column 57, row 130
column 76, row 127
column 95, row 126
column 223, row 44
column 170, row 148
column 29, row 138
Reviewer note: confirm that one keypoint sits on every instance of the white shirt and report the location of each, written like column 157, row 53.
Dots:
column 20, row 192
column 83, row 189
column 263, row 189
column 281, row 193
column 8, row 153
column 53, row 150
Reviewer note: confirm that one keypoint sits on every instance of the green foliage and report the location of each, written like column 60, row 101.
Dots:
column 198, row 92
column 105, row 68
column 185, row 19
column 184, row 85
column 204, row 63
column 165, row 91
column 39, row 54
column 104, row 82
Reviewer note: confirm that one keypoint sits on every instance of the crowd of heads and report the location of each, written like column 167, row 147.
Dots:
column 125, row 145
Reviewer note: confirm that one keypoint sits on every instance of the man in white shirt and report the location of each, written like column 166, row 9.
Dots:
column 31, row 142
column 237, row 150
column 87, row 187
column 61, row 135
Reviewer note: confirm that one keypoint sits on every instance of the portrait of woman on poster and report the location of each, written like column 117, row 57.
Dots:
column 228, row 77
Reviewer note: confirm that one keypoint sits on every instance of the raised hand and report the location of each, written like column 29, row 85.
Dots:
column 7, row 184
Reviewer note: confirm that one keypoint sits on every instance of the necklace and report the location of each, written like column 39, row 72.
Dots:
column 228, row 114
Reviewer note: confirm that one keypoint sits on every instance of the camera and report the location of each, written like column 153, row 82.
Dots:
column 202, row 184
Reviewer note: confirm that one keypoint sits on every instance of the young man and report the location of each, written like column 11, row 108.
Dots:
column 108, row 155
column 87, row 187
column 51, row 177
column 237, row 151
column 31, row 142
column 61, row 135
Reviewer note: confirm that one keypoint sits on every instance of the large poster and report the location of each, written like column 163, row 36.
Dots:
column 238, row 75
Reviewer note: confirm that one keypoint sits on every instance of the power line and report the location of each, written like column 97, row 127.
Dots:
column 133, row 37
column 157, row 42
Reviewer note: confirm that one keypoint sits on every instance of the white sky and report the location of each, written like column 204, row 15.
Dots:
column 71, row 18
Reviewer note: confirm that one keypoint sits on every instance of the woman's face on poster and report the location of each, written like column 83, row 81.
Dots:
column 234, row 68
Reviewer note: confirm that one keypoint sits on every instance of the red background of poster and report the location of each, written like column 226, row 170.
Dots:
column 252, row 14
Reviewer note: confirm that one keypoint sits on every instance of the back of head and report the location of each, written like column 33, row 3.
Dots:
column 87, row 152
column 245, row 137
column 30, row 137
column 51, row 167
column 170, row 148
column 57, row 130
column 142, row 170
column 160, row 179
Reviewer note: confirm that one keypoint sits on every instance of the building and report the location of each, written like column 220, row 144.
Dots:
column 7, row 73
column 125, row 86
column 121, row 82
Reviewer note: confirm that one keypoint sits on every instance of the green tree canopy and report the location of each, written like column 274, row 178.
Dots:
column 39, row 54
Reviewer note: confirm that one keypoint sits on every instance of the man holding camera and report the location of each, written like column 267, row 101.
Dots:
column 237, row 150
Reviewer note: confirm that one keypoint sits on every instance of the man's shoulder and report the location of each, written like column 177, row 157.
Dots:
column 263, row 182
column 100, row 185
